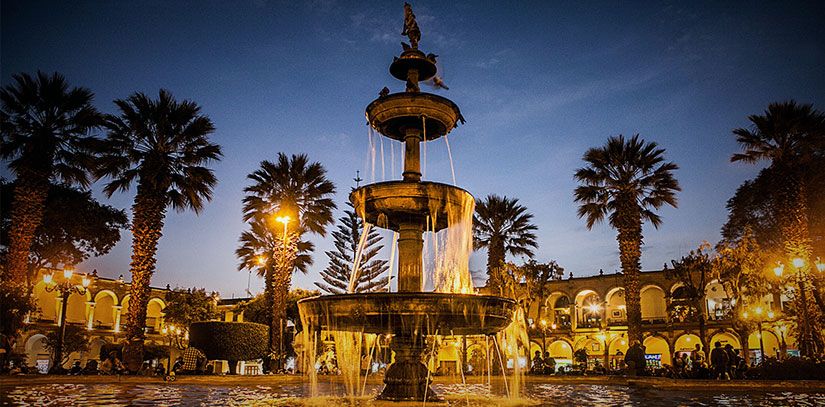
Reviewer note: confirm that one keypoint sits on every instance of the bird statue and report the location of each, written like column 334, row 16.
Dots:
column 384, row 92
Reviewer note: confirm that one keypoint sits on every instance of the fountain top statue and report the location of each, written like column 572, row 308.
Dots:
column 411, row 26
column 410, row 207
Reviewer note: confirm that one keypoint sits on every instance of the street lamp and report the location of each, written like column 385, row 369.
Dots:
column 65, row 288
column 759, row 315
column 544, row 336
column 173, row 334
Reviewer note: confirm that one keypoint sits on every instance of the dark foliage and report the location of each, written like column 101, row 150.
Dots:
column 233, row 341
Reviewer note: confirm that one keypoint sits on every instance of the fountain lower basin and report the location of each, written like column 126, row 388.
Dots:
column 409, row 317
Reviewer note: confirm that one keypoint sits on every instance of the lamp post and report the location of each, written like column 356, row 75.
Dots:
column 758, row 314
column 65, row 288
column 543, row 337
column 173, row 334
column 806, row 341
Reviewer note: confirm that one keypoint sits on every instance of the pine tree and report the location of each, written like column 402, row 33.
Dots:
column 371, row 273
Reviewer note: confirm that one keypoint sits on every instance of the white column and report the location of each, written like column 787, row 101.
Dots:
column 117, row 309
column 90, row 315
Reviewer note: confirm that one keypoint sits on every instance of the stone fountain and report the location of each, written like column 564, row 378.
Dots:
column 405, row 206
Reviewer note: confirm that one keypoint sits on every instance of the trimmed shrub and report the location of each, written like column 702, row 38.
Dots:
column 232, row 341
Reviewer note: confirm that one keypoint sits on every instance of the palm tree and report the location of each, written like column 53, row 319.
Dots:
column 260, row 250
column 295, row 189
column 502, row 226
column 161, row 145
column 791, row 137
column 625, row 181
column 45, row 136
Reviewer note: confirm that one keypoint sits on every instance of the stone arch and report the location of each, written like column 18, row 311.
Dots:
column 558, row 309
column 657, row 347
column 769, row 340
column 154, row 313
column 725, row 336
column 616, row 349
column 36, row 353
column 560, row 348
column 76, row 309
column 717, row 301
column 124, row 302
column 589, row 308
column 104, row 313
column 686, row 342
column 615, row 307
column 653, row 303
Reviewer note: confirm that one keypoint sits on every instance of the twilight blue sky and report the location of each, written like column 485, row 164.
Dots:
column 539, row 83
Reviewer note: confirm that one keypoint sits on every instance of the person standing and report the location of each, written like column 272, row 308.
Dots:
column 719, row 361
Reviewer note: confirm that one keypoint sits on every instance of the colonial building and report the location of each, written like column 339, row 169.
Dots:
column 589, row 313
column 101, row 309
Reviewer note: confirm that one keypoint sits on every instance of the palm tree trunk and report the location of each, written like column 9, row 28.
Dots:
column 629, row 237
column 793, row 222
column 284, row 266
column 495, row 260
column 148, row 214
column 26, row 215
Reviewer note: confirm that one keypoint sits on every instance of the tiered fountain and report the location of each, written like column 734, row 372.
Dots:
column 409, row 207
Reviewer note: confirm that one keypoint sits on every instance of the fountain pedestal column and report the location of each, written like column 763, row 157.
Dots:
column 407, row 379
column 410, row 247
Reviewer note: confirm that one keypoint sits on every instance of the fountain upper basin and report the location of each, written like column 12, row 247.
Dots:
column 405, row 202
column 409, row 312
column 394, row 113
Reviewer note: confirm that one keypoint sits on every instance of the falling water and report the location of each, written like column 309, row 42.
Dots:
column 392, row 159
column 355, row 273
column 452, row 259
column 516, row 345
column 383, row 175
column 392, row 264
column 371, row 153
column 450, row 155
column 348, row 346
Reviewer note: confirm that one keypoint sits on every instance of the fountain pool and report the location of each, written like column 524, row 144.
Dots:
column 294, row 393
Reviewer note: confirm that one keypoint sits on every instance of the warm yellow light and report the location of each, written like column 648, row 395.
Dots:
column 622, row 307
column 544, row 322
column 687, row 339
column 48, row 278
column 553, row 326
column 261, row 260
column 820, row 265
column 758, row 310
column 67, row 272
column 798, row 262
column 779, row 269
column 164, row 330
column 745, row 315
column 594, row 308
column 283, row 219
column 623, row 342
column 85, row 281
column 770, row 314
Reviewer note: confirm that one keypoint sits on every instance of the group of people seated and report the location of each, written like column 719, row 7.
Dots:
column 108, row 365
